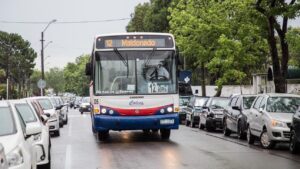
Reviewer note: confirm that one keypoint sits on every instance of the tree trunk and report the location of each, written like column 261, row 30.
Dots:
column 203, row 80
column 279, row 79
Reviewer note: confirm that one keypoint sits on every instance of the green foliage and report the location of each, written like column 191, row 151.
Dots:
column 150, row 17
column 75, row 79
column 55, row 80
column 16, row 59
column 293, row 39
column 227, row 36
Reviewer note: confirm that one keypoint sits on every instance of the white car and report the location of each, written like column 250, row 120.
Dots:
column 3, row 163
column 42, row 140
column 270, row 118
column 17, row 138
column 51, row 112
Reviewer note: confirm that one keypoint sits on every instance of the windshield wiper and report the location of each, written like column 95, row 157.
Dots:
column 125, row 61
column 149, row 57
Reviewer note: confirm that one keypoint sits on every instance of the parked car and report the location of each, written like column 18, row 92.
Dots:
column 16, row 137
column 183, row 102
column 51, row 113
column 212, row 114
column 42, row 141
column 57, row 107
column 193, row 110
column 77, row 102
column 85, row 105
column 63, row 109
column 295, row 133
column 3, row 162
column 235, row 115
column 270, row 118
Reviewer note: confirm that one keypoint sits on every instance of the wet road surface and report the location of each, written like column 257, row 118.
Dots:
column 78, row 148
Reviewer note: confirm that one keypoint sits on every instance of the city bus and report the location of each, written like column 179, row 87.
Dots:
column 134, row 83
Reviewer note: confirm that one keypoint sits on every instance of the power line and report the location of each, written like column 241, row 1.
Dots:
column 63, row 22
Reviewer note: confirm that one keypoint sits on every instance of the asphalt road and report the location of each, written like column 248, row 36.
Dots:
column 78, row 148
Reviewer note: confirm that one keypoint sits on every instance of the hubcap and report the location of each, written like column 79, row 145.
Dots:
column 265, row 139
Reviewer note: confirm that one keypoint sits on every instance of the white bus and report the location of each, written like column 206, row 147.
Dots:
column 134, row 83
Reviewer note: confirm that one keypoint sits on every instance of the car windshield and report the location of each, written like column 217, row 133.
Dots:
column 7, row 125
column 183, row 101
column 247, row 101
column 199, row 102
column 45, row 103
column 86, row 100
column 283, row 104
column 135, row 72
column 219, row 103
column 26, row 113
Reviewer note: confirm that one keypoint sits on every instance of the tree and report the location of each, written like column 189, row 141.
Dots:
column 55, row 80
column 75, row 79
column 150, row 17
column 34, row 78
column 17, row 59
column 224, row 37
column 293, row 39
column 272, row 10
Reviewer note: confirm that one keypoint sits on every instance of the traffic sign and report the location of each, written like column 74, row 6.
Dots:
column 41, row 84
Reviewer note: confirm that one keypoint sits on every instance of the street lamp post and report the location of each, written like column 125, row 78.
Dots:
column 42, row 51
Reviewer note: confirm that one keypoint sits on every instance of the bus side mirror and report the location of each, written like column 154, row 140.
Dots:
column 88, row 69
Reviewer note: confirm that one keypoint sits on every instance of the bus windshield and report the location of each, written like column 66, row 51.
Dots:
column 135, row 72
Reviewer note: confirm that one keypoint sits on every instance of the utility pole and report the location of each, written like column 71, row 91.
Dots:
column 42, row 53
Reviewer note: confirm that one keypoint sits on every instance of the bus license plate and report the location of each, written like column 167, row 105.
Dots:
column 167, row 121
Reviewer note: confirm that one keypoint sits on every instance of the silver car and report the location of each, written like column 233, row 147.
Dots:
column 3, row 163
column 270, row 118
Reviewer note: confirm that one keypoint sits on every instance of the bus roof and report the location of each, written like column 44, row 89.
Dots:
column 134, row 33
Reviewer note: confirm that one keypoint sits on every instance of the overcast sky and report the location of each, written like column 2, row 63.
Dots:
column 69, row 40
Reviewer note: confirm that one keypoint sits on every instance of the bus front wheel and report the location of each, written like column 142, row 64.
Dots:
column 103, row 135
column 165, row 134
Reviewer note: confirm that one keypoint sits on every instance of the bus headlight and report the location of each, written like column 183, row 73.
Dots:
column 96, row 111
column 169, row 109
column 162, row 111
column 111, row 112
column 103, row 111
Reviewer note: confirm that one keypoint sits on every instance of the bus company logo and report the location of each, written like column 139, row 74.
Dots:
column 136, row 103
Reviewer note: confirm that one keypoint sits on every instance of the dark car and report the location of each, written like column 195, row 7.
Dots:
column 212, row 115
column 235, row 115
column 295, row 133
column 183, row 102
column 85, row 105
column 193, row 110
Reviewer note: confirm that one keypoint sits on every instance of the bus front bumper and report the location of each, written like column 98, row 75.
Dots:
column 118, row 123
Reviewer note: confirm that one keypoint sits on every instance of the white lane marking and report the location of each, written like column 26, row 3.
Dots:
column 68, row 162
column 70, row 128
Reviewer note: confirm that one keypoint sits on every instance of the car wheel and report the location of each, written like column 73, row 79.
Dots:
column 154, row 130
column 226, row 131
column 208, row 127
column 265, row 141
column 48, row 165
column 192, row 124
column 250, row 137
column 294, row 144
column 201, row 126
column 103, row 135
column 66, row 121
column 81, row 112
column 240, row 132
column 187, row 122
column 146, row 131
column 165, row 134
column 57, row 133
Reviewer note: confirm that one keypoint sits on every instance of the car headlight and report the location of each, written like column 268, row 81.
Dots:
column 37, row 137
column 15, row 157
column 276, row 123
column 53, row 116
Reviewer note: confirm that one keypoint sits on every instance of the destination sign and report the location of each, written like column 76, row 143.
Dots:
column 134, row 42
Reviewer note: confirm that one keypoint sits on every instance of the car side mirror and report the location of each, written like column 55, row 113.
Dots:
column 44, row 118
column 236, row 108
column 261, row 110
column 32, row 129
column 88, row 69
column 57, row 108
